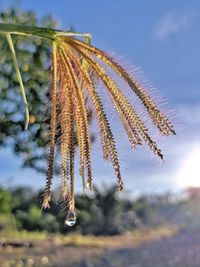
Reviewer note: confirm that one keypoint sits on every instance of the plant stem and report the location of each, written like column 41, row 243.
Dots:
column 37, row 31
column 19, row 77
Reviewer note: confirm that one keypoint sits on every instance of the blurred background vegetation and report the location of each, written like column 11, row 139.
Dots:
column 106, row 222
column 101, row 213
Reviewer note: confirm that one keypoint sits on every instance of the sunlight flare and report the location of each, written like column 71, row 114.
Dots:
column 189, row 172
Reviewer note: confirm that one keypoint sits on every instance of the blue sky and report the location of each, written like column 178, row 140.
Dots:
column 162, row 38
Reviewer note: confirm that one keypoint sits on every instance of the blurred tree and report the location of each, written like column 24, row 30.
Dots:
column 142, row 208
column 7, row 220
column 22, row 198
column 109, row 209
column 34, row 213
column 89, row 216
column 50, row 223
column 103, row 213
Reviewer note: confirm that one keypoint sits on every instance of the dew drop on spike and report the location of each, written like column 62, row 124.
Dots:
column 70, row 219
column 87, row 185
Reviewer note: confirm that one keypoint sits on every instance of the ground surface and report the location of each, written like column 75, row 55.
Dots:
column 181, row 250
column 144, row 248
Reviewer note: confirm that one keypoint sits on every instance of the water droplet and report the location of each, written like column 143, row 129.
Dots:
column 87, row 185
column 70, row 219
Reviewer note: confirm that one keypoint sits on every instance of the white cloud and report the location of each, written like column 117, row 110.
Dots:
column 169, row 24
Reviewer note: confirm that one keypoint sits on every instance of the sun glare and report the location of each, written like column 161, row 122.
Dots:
column 189, row 172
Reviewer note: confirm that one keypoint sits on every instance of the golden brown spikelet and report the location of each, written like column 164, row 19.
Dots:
column 66, row 111
column 52, row 133
column 77, row 66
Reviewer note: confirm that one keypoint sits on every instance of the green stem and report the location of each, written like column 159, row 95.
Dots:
column 19, row 77
column 38, row 31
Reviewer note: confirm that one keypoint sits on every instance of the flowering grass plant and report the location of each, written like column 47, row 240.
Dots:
column 77, row 69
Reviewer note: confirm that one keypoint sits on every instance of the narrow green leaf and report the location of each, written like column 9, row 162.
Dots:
column 19, row 77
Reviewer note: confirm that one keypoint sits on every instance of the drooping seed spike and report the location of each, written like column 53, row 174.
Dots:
column 83, row 114
column 159, row 118
column 47, row 191
column 121, row 102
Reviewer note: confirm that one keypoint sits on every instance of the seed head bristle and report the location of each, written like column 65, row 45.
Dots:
column 160, row 120
column 77, row 69
column 122, row 104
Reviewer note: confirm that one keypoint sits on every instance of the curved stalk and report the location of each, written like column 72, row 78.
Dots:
column 19, row 77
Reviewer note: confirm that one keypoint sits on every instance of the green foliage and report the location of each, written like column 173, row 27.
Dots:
column 5, row 201
column 34, row 213
column 7, row 223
